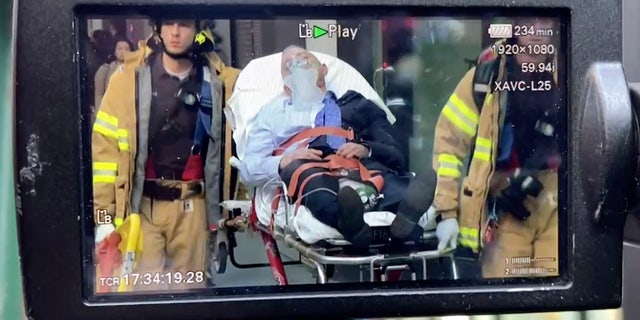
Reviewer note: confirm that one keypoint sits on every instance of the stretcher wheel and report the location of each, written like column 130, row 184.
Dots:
column 220, row 261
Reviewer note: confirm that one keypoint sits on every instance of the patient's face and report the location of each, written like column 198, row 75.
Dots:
column 295, row 54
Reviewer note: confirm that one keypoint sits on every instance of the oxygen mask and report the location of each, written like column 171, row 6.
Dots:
column 302, row 80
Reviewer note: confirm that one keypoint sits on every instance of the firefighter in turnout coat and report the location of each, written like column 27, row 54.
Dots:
column 156, row 152
column 506, row 210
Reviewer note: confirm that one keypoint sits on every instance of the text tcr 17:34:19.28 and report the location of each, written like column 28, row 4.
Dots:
column 189, row 277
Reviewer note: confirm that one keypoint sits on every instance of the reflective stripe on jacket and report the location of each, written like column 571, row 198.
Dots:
column 460, row 126
column 120, row 132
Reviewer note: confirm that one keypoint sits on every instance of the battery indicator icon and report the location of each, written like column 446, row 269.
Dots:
column 500, row 31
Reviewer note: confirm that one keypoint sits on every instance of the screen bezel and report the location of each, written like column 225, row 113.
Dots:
column 52, row 216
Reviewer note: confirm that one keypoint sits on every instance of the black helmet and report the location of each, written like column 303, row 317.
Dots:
column 204, row 41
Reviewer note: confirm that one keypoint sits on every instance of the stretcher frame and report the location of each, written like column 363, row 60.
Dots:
column 323, row 259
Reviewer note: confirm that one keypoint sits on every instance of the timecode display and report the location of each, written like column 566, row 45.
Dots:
column 133, row 279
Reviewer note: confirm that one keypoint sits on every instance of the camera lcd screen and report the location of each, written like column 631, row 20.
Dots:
column 307, row 151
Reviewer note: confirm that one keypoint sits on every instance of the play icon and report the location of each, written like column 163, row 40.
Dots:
column 319, row 32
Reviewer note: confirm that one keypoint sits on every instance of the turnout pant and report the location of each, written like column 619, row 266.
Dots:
column 174, row 242
column 518, row 242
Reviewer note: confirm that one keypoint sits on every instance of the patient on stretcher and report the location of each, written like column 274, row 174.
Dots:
column 319, row 144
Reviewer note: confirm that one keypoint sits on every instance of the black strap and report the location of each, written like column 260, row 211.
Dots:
column 157, row 192
column 484, row 74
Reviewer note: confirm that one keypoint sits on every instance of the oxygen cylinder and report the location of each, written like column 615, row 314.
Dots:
column 368, row 194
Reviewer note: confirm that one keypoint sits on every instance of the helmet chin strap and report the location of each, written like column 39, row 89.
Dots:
column 187, row 54
column 179, row 56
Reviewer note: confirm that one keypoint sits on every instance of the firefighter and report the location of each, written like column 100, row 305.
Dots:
column 156, row 151
column 506, row 211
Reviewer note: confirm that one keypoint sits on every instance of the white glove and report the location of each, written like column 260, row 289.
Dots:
column 428, row 220
column 103, row 231
column 447, row 232
column 235, row 162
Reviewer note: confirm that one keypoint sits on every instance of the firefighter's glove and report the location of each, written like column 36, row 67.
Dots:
column 512, row 198
column 447, row 232
column 103, row 231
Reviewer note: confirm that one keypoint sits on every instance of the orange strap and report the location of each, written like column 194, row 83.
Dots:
column 331, row 163
column 304, row 184
column 376, row 180
column 314, row 132
column 334, row 165
column 293, row 183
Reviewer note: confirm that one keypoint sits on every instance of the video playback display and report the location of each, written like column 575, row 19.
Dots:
column 289, row 151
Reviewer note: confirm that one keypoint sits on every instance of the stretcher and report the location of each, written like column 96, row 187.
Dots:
column 320, row 247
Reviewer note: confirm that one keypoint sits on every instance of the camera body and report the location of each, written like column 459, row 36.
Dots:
column 595, row 185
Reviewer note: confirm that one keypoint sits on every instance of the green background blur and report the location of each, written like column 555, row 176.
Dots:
column 11, row 302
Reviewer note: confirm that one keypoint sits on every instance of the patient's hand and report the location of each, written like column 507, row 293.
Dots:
column 353, row 150
column 300, row 154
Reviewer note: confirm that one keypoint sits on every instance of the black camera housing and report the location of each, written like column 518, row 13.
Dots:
column 51, row 119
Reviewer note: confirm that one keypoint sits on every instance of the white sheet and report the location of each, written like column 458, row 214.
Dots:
column 260, row 82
